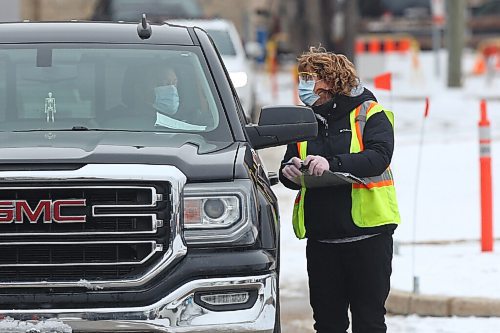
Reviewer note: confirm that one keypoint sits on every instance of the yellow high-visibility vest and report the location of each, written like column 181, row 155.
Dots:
column 373, row 203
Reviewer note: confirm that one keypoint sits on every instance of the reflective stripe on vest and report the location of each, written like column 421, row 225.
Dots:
column 298, row 206
column 373, row 204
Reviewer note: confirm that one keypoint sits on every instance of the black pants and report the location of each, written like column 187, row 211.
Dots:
column 355, row 275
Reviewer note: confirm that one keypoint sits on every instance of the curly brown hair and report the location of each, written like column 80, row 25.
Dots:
column 338, row 72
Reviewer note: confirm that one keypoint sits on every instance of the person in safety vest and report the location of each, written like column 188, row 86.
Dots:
column 349, row 226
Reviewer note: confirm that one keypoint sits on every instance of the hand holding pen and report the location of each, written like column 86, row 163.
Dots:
column 295, row 167
column 313, row 165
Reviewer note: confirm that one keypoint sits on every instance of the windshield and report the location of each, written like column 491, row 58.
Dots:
column 127, row 10
column 53, row 87
column 222, row 41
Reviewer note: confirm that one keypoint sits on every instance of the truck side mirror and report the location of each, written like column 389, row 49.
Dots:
column 280, row 125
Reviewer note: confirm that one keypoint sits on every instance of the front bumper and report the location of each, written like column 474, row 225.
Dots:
column 176, row 312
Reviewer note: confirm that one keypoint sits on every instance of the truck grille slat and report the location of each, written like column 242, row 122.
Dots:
column 118, row 224
column 75, row 253
column 38, row 274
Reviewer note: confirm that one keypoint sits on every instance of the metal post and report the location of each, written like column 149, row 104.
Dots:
column 416, row 285
column 436, row 45
column 456, row 31
column 438, row 20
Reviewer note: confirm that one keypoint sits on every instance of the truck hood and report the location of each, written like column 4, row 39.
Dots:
column 197, row 158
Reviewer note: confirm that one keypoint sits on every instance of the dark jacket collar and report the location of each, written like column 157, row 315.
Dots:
column 341, row 105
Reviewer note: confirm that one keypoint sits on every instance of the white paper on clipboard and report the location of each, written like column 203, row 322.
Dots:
column 329, row 179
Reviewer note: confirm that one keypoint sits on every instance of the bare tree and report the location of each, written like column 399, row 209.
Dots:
column 326, row 16
column 312, row 22
column 351, row 27
column 325, row 22
column 346, row 20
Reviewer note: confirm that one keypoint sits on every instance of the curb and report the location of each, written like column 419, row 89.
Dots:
column 406, row 303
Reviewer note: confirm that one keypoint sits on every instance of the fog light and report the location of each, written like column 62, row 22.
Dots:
column 226, row 299
column 229, row 300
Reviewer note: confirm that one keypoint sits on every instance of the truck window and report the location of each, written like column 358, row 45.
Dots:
column 107, row 89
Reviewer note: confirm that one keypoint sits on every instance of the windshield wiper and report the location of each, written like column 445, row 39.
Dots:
column 83, row 128
column 74, row 128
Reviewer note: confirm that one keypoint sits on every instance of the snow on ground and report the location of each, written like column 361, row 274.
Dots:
column 439, row 203
column 10, row 325
column 416, row 324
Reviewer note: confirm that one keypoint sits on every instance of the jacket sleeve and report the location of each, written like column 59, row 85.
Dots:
column 378, row 141
column 291, row 151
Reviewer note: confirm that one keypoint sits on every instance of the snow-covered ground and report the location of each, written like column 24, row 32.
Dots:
column 416, row 324
column 439, row 203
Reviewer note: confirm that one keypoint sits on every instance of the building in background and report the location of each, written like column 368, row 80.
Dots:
column 241, row 12
column 11, row 10
column 295, row 24
column 157, row 11
column 55, row 10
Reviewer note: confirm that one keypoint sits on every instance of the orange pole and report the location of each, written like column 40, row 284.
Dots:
column 486, row 188
column 390, row 46
column 374, row 46
column 359, row 46
column 272, row 63
column 295, row 77
column 274, row 79
column 404, row 45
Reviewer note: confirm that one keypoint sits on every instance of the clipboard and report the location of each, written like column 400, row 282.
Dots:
column 328, row 179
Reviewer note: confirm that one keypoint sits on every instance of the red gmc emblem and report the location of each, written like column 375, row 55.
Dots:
column 17, row 210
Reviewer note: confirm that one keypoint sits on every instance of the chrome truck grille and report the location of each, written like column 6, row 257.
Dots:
column 111, row 209
column 105, row 225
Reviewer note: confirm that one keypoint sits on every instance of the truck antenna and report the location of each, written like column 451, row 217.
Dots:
column 144, row 28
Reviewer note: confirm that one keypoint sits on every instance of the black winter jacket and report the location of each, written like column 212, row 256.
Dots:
column 327, row 210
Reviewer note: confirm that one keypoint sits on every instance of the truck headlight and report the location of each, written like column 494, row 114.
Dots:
column 219, row 213
column 211, row 212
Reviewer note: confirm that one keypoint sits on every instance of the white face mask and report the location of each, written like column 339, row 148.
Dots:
column 306, row 92
column 166, row 99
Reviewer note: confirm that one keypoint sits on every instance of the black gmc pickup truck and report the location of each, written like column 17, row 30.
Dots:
column 132, row 198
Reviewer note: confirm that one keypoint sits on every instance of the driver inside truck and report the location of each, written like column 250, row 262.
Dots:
column 166, row 99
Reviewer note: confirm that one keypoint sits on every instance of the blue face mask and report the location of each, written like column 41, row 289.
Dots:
column 306, row 92
column 167, row 99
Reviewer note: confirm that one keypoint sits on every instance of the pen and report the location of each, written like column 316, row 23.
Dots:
column 303, row 167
